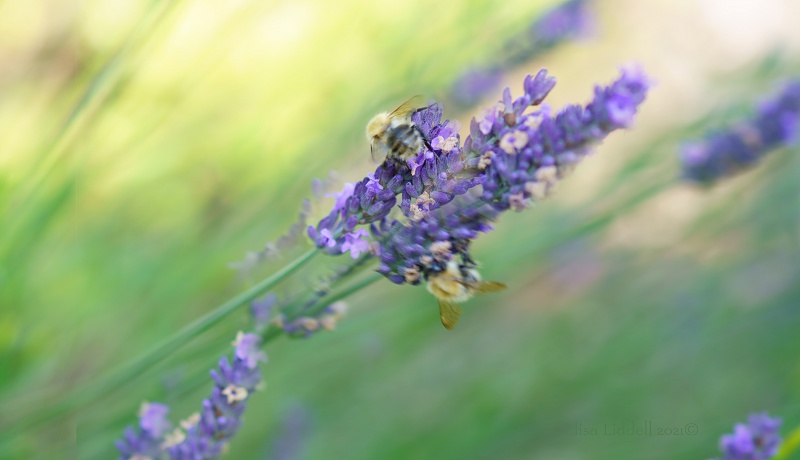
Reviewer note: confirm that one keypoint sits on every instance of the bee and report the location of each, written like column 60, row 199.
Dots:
column 394, row 136
column 457, row 283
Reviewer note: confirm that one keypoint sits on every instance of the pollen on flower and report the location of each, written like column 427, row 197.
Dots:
column 374, row 248
column 513, row 142
column 240, row 337
column 412, row 274
column 548, row 174
column 190, row 421
column 328, row 323
column 537, row 190
column 418, row 209
column 337, row 308
column 139, row 457
column 416, row 213
column 445, row 145
column 517, row 202
column 486, row 160
column 234, row 393
column 174, row 438
column 533, row 121
column 441, row 249
column 332, row 314
column 308, row 323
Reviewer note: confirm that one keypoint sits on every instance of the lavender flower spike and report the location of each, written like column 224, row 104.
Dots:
column 756, row 440
column 725, row 153
column 145, row 443
column 305, row 326
column 566, row 21
column 202, row 435
column 522, row 155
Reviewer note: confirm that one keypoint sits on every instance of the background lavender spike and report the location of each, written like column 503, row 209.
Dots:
column 295, row 428
column 273, row 250
column 204, row 434
column 569, row 20
column 724, row 153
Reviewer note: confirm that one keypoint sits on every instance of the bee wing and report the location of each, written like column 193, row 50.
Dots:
column 378, row 151
column 407, row 108
column 483, row 287
column 449, row 313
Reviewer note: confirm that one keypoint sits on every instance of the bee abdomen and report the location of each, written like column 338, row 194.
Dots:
column 404, row 140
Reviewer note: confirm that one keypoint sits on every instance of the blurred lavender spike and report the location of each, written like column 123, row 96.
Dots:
column 567, row 21
column 757, row 440
column 203, row 434
column 305, row 326
column 295, row 428
column 571, row 19
column 474, row 85
column 725, row 153
column 273, row 250
column 262, row 309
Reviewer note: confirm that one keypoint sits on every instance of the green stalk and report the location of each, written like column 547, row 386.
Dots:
column 119, row 378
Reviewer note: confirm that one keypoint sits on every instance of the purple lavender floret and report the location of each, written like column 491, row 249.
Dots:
column 725, row 153
column 442, row 175
column 757, row 440
column 261, row 309
column 361, row 203
column 522, row 154
column 568, row 20
column 202, row 435
column 528, row 153
column 146, row 441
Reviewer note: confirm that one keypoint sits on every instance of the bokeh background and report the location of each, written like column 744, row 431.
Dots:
column 145, row 146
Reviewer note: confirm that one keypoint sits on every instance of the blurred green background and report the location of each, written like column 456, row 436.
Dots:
column 144, row 146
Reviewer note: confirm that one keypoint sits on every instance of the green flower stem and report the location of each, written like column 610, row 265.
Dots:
column 118, row 379
column 789, row 446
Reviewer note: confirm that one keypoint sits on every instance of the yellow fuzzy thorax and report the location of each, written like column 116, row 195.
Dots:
column 378, row 125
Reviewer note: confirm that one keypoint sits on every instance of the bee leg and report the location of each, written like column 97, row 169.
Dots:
column 425, row 139
column 467, row 260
